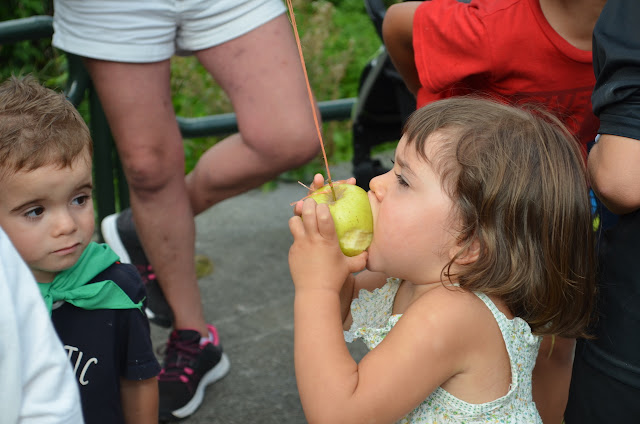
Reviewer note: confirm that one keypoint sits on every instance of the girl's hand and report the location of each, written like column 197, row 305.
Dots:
column 318, row 181
column 315, row 258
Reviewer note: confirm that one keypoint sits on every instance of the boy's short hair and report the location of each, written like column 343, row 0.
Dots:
column 38, row 127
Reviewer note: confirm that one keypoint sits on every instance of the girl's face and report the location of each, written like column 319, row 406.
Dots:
column 414, row 229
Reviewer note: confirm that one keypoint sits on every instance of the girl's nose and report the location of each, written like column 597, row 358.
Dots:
column 377, row 186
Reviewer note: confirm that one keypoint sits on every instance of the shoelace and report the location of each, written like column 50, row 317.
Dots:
column 146, row 272
column 180, row 356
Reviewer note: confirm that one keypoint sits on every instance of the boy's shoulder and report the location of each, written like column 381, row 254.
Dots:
column 126, row 276
column 498, row 6
column 481, row 9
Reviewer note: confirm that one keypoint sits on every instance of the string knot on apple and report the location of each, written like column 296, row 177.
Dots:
column 351, row 213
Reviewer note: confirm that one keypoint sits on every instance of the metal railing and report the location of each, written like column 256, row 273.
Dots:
column 110, row 188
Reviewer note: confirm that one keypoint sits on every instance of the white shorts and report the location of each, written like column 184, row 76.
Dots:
column 142, row 31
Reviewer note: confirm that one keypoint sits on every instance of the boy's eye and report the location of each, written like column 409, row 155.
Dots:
column 80, row 200
column 35, row 212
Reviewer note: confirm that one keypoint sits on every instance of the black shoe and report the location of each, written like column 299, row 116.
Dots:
column 189, row 367
column 119, row 233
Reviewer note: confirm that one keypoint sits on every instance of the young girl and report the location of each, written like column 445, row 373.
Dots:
column 482, row 244
column 508, row 68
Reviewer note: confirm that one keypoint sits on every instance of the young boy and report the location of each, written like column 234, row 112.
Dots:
column 518, row 52
column 47, row 212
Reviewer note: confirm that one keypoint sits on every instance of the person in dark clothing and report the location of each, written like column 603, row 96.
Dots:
column 605, row 386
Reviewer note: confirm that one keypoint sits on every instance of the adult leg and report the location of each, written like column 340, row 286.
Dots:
column 137, row 102
column 262, row 75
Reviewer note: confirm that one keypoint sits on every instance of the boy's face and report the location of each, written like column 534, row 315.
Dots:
column 48, row 215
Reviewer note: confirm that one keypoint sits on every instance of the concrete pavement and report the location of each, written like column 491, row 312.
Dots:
column 249, row 297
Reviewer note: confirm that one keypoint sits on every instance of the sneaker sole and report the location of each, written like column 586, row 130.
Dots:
column 111, row 237
column 160, row 321
column 214, row 374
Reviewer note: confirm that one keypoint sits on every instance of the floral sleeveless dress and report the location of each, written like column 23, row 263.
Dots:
column 372, row 321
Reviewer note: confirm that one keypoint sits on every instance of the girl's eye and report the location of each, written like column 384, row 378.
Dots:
column 80, row 200
column 34, row 213
column 399, row 177
column 401, row 180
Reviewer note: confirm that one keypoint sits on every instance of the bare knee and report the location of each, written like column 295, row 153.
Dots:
column 285, row 147
column 150, row 170
column 296, row 149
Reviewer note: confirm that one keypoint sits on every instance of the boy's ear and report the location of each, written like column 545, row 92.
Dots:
column 466, row 257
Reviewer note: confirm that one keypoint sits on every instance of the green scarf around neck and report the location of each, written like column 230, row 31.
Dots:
column 71, row 285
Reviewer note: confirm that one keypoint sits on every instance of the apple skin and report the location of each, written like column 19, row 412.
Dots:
column 351, row 212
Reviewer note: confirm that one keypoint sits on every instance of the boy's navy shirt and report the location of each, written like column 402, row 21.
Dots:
column 106, row 345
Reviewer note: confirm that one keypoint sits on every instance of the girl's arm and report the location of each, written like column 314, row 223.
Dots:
column 397, row 31
column 366, row 280
column 346, row 296
column 552, row 376
column 139, row 400
column 392, row 379
column 424, row 350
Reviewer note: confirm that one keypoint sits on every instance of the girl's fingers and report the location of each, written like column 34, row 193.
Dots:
column 318, row 181
column 297, row 208
column 296, row 227
column 308, row 215
column 317, row 219
column 326, row 227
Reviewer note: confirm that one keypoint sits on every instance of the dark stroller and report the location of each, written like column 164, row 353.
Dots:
column 384, row 103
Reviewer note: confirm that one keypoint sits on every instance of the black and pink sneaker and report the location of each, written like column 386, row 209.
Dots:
column 119, row 232
column 190, row 365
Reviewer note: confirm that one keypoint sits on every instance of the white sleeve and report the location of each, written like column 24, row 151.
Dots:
column 37, row 383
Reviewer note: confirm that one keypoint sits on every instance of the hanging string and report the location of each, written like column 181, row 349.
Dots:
column 313, row 103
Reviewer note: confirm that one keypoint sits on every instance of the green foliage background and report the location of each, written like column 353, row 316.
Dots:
column 337, row 37
column 30, row 57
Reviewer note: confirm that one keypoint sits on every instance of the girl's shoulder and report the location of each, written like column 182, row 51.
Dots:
column 460, row 318
column 447, row 301
column 454, row 301
column 468, row 321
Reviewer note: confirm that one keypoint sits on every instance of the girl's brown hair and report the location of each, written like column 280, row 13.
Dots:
column 519, row 184
column 38, row 127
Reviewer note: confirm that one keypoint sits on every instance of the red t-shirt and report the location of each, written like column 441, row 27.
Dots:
column 505, row 49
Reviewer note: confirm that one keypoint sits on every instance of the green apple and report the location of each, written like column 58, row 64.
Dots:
column 351, row 214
